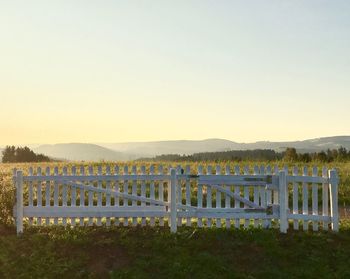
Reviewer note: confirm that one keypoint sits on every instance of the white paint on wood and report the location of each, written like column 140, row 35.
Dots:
column 209, row 195
column 256, row 195
column 90, row 196
column 73, row 195
column 283, row 202
column 30, row 194
column 227, row 197
column 82, row 195
column 268, row 195
column 295, row 199
column 188, row 192
column 262, row 194
column 117, row 190
column 314, row 199
column 152, row 192
column 333, row 195
column 154, row 206
column 19, row 202
column 237, row 202
column 179, row 191
column 325, row 197
column 99, row 195
column 305, row 199
column 276, row 192
column 134, row 193
column 143, row 192
column 64, row 196
column 200, row 196
column 246, row 197
column 161, row 192
column 218, row 198
column 108, row 196
column 173, row 210
column 125, row 191
column 39, row 194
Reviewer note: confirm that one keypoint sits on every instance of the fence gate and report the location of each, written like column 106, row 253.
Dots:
column 264, row 198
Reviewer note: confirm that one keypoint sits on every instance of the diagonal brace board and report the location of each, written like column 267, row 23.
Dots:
column 89, row 187
column 236, row 196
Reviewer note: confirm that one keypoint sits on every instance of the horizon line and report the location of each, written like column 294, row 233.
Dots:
column 154, row 141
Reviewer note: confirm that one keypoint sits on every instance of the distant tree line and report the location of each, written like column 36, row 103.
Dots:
column 340, row 155
column 290, row 154
column 12, row 154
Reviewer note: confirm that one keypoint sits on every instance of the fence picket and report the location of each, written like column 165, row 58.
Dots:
column 47, row 193
column 30, row 195
column 295, row 199
column 227, row 197
column 209, row 195
column 200, row 197
column 256, row 195
column 333, row 181
column 134, row 192
column 305, row 200
column 287, row 190
column 325, row 198
column 143, row 193
column 108, row 196
column 116, row 199
column 236, row 202
column 125, row 190
column 73, row 195
column 188, row 193
column 268, row 196
column 55, row 194
column 161, row 192
column 314, row 200
column 275, row 192
column 82, row 196
column 179, row 192
column 38, row 194
column 263, row 203
column 64, row 196
column 246, row 196
column 90, row 196
column 218, row 198
column 99, row 195
column 152, row 192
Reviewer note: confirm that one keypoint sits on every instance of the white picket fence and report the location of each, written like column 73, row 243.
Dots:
column 210, row 197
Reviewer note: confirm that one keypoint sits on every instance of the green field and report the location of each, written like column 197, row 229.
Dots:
column 145, row 252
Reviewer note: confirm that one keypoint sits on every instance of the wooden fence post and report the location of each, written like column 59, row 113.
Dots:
column 333, row 189
column 283, row 202
column 173, row 210
column 19, row 202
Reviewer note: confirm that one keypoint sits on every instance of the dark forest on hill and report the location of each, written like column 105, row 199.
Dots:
column 11, row 154
column 341, row 154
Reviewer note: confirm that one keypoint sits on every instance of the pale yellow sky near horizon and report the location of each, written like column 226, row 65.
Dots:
column 120, row 71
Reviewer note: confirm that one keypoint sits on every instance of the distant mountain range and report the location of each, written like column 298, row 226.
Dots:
column 134, row 150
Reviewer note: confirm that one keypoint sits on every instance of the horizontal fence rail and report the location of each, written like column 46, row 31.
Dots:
column 265, row 197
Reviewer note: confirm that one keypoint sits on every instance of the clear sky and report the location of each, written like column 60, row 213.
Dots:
column 113, row 71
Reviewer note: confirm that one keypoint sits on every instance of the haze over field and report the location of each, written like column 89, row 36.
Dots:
column 134, row 150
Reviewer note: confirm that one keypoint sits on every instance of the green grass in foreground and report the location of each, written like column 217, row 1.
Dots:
column 98, row 252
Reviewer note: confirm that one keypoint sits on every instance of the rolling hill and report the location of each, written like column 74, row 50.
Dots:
column 80, row 152
column 134, row 150
column 141, row 149
column 211, row 145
